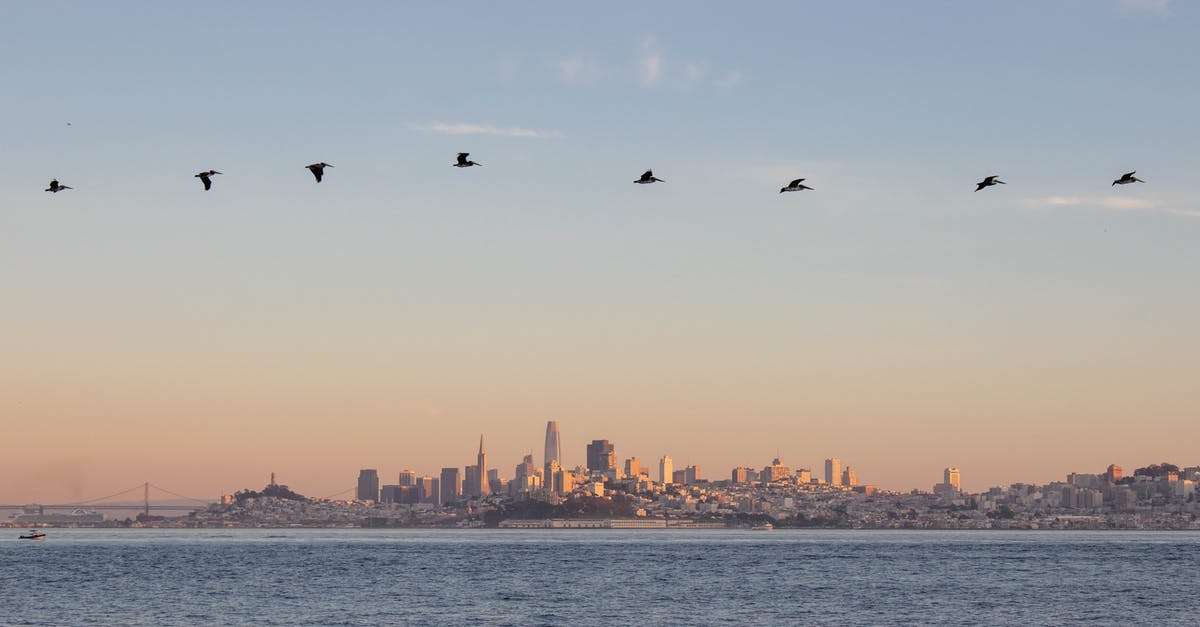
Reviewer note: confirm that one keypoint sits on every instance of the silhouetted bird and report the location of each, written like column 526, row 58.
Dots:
column 462, row 161
column 648, row 177
column 988, row 182
column 55, row 187
column 794, row 186
column 1127, row 178
column 206, row 178
column 318, row 169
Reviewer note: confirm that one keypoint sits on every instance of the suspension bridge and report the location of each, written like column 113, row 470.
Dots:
column 107, row 502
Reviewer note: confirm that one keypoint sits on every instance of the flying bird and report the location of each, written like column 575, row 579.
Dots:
column 794, row 186
column 55, row 187
column 1127, row 178
column 988, row 182
column 318, row 170
column 648, row 177
column 206, row 178
column 463, row 163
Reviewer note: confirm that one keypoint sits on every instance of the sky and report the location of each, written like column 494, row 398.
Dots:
column 385, row 318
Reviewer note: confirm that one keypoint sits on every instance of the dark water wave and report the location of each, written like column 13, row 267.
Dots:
column 385, row 577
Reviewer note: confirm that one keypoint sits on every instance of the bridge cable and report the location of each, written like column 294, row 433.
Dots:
column 179, row 495
column 136, row 487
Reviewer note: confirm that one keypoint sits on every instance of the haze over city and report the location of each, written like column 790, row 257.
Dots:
column 387, row 316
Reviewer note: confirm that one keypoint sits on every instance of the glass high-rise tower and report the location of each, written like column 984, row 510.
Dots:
column 553, row 444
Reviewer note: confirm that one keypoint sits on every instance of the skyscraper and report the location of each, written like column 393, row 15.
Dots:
column 833, row 471
column 472, row 482
column 849, row 478
column 407, row 477
column 601, row 456
column 553, row 444
column 368, row 485
column 484, row 488
column 952, row 478
column 666, row 470
column 451, row 485
column 633, row 467
column 427, row 490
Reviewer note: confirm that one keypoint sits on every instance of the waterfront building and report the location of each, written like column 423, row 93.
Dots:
column 368, row 485
column 666, row 470
column 601, row 456
column 833, row 471
column 451, row 485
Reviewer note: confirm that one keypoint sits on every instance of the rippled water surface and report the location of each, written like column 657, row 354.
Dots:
column 559, row 577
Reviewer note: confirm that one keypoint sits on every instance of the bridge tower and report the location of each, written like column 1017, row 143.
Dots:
column 146, row 499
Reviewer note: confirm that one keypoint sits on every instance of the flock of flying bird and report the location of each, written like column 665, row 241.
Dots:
column 318, row 172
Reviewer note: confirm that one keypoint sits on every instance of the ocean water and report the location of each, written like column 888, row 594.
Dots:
column 602, row 577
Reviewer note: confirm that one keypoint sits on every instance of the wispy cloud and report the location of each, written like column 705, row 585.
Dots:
column 1052, row 201
column 442, row 128
column 1109, row 203
column 1128, row 204
column 693, row 73
column 650, row 63
column 730, row 79
column 1149, row 6
column 650, row 69
column 578, row 70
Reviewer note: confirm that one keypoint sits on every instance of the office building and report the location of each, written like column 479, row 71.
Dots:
column 775, row 472
column 833, row 471
column 633, row 467
column 666, row 470
column 601, row 456
column 848, row 477
column 407, row 477
column 952, row 479
column 484, row 488
column 451, row 485
column 427, row 490
column 368, row 485
column 389, row 494
column 691, row 475
column 553, row 450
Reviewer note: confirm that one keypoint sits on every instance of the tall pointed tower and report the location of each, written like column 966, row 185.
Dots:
column 484, row 488
column 553, row 445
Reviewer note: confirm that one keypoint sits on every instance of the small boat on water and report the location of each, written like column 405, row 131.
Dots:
column 33, row 534
column 763, row 527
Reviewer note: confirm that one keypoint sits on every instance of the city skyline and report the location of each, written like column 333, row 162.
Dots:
column 452, row 481
column 890, row 317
